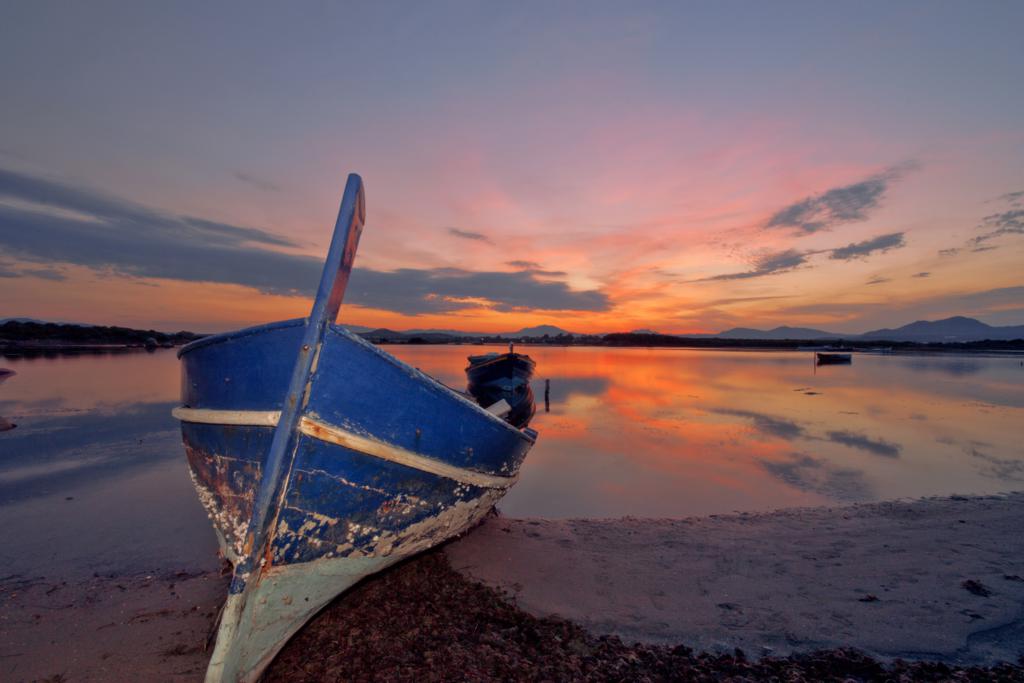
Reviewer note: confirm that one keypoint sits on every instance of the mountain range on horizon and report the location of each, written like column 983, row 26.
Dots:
column 954, row 329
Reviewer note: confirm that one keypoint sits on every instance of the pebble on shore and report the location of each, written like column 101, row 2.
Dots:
column 424, row 621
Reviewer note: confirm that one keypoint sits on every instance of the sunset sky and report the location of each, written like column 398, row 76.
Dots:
column 683, row 167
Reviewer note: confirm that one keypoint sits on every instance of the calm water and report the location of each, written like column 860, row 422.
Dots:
column 93, row 477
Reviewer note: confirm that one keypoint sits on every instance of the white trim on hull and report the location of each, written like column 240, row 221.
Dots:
column 342, row 437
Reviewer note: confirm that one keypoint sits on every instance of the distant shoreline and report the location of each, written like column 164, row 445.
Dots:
column 15, row 350
column 33, row 339
column 1015, row 346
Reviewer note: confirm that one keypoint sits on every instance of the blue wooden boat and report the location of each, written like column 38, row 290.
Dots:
column 321, row 459
column 495, row 377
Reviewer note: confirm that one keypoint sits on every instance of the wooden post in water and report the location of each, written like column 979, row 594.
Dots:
column 547, row 396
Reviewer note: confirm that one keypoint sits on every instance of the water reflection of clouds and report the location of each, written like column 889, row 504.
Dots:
column 632, row 431
column 44, row 436
column 768, row 424
column 563, row 388
column 958, row 367
column 995, row 381
column 755, row 359
column 89, row 382
column 709, row 430
column 875, row 446
column 1005, row 469
column 808, row 473
column 57, row 453
column 789, row 430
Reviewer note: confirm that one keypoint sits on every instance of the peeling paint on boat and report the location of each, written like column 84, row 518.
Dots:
column 354, row 437
column 321, row 459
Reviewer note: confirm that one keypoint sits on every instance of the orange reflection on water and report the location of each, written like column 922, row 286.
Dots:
column 86, row 382
column 677, row 432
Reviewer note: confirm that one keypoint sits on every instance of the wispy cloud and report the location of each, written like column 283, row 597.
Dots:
column 728, row 301
column 257, row 182
column 1009, row 222
column 790, row 259
column 769, row 264
column 846, row 204
column 45, row 273
column 922, row 274
column 878, row 280
column 54, row 223
column 536, row 269
column 1013, row 198
column 524, row 265
column 882, row 243
column 439, row 290
column 117, row 217
column 998, row 224
column 57, row 223
column 10, row 271
column 469, row 235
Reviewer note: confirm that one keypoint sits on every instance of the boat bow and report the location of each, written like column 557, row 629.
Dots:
column 314, row 475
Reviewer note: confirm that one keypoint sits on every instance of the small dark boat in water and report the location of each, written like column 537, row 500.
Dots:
column 321, row 459
column 500, row 383
column 491, row 366
column 835, row 358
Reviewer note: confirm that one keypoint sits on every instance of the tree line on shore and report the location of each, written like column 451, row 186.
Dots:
column 16, row 335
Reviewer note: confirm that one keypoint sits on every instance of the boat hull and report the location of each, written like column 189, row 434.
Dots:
column 497, row 377
column 387, row 462
column 485, row 369
column 516, row 392
column 834, row 358
column 254, row 627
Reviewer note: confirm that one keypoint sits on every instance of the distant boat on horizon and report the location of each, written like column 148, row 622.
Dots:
column 834, row 358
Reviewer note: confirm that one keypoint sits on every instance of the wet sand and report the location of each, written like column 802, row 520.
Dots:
column 109, row 628
column 937, row 580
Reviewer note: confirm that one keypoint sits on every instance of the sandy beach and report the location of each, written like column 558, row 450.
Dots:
column 936, row 580
column 887, row 578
